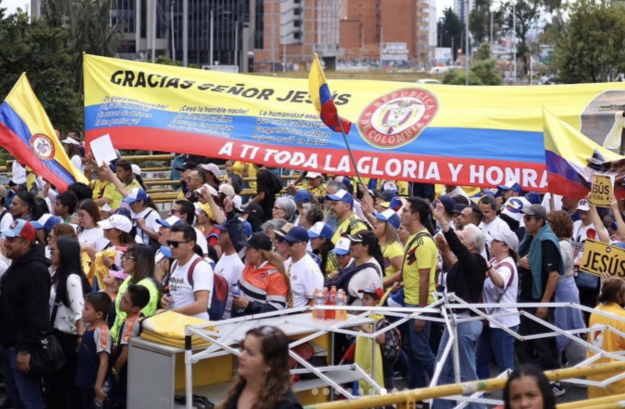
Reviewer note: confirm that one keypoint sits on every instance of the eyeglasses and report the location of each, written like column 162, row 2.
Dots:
column 175, row 244
column 128, row 257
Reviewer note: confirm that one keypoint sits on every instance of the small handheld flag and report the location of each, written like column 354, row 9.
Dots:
column 322, row 99
column 26, row 132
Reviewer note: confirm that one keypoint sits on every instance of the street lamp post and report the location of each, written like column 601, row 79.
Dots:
column 466, row 39
column 210, row 56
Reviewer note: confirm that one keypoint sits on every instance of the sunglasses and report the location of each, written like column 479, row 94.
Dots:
column 175, row 244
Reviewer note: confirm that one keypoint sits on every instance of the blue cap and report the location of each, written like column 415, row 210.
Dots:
column 396, row 204
column 388, row 195
column 166, row 251
column 136, row 194
column 390, row 216
column 448, row 203
column 533, row 197
column 511, row 185
column 46, row 222
column 302, row 196
column 320, row 229
column 170, row 221
column 342, row 196
column 297, row 234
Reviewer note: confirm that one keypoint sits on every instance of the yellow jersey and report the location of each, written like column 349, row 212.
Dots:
column 421, row 254
column 357, row 225
column 608, row 341
column 389, row 252
column 116, row 197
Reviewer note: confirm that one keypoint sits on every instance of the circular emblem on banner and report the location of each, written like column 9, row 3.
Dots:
column 43, row 147
column 397, row 118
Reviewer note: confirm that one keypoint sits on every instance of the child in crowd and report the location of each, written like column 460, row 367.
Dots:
column 113, row 281
column 94, row 350
column 134, row 299
column 388, row 350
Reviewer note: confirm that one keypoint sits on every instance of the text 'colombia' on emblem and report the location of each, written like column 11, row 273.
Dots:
column 43, row 147
column 398, row 117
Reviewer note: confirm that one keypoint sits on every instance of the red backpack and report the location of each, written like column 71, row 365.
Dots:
column 219, row 295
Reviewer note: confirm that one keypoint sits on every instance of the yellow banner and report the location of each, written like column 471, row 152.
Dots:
column 477, row 136
column 600, row 257
column 602, row 190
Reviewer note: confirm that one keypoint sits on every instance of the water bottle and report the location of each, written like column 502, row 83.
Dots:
column 319, row 301
column 237, row 291
column 171, row 303
column 341, row 313
column 106, row 388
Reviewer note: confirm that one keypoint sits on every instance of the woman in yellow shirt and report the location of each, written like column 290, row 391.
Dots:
column 124, row 181
column 385, row 229
column 103, row 189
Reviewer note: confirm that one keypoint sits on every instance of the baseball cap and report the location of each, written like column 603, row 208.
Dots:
column 170, row 221
column 396, row 204
column 186, row 166
column 211, row 189
column 511, row 185
column 390, row 216
column 507, row 236
column 297, row 234
column 237, row 201
column 118, row 222
column 136, row 194
column 70, row 141
column 253, row 208
column 342, row 196
column 135, row 169
column 313, row 175
column 320, row 229
column 514, row 206
column 302, row 196
column 284, row 230
column 212, row 168
column 258, row 241
column 447, row 202
column 118, row 274
column 388, row 195
column 373, row 290
column 46, row 222
column 390, row 186
column 533, row 197
column 458, row 208
column 342, row 246
column 20, row 228
column 227, row 190
column 204, row 207
column 535, row 210
column 583, row 205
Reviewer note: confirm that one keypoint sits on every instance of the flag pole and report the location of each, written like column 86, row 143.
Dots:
column 351, row 155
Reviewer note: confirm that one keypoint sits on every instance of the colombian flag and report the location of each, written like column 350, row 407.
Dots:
column 26, row 132
column 570, row 157
column 322, row 99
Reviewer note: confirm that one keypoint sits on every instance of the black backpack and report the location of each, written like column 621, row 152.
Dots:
column 345, row 276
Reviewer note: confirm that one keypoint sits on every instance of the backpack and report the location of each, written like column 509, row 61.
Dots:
column 392, row 343
column 345, row 276
column 352, row 224
column 219, row 295
column 153, row 243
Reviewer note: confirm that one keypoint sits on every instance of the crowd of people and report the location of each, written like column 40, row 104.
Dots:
column 88, row 264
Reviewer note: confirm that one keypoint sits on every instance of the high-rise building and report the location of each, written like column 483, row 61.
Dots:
column 390, row 30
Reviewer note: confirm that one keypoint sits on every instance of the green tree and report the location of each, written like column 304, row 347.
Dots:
column 40, row 52
column 590, row 46
column 451, row 32
column 483, row 52
column 480, row 73
column 480, row 21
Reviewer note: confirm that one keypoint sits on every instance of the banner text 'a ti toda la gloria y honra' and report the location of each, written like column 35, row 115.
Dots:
column 473, row 136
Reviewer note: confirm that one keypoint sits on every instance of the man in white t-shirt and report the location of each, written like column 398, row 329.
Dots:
column 490, row 220
column 144, row 216
column 229, row 265
column 301, row 268
column 191, row 280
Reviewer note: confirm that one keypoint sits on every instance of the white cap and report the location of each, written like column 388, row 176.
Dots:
column 168, row 222
column 116, row 221
column 342, row 246
column 507, row 236
column 106, row 208
column 211, row 167
column 313, row 175
column 135, row 169
column 390, row 186
column 583, row 205
column 70, row 141
column 514, row 206
column 211, row 189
